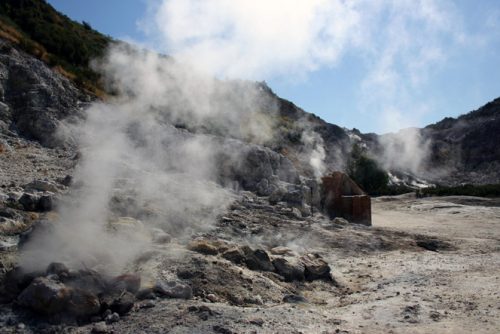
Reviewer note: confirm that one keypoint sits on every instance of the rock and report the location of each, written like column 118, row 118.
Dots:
column 257, row 259
column 146, row 293
column 172, row 289
column 16, row 280
column 42, row 185
column 100, row 327
column 147, row 304
column 256, row 321
column 45, row 296
column 263, row 188
column 290, row 271
column 121, row 304
column 222, row 330
column 29, row 202
column 83, row 303
column 294, row 196
column 57, row 268
column 8, row 243
column 204, row 312
column 111, row 318
column 45, row 203
column 340, row 221
column 66, row 181
column 158, row 236
column 281, row 250
column 234, row 255
column 203, row 247
column 293, row 299
column 10, row 213
column 315, row 267
column 212, row 298
column 12, row 227
column 126, row 282
column 127, row 226
column 275, row 196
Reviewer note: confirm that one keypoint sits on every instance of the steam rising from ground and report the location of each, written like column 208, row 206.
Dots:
column 315, row 150
column 406, row 150
column 135, row 162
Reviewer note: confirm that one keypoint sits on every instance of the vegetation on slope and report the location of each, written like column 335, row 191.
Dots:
column 366, row 172
column 64, row 44
column 487, row 190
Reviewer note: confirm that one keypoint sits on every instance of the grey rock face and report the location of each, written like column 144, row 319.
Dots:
column 34, row 99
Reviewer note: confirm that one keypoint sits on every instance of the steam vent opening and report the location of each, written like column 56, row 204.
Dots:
column 342, row 197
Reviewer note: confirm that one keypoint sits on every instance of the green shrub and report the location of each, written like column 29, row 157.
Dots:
column 366, row 172
column 487, row 190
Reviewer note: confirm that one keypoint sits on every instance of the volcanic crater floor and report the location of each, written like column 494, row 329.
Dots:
column 427, row 265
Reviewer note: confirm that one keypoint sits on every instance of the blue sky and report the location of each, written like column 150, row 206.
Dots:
column 374, row 65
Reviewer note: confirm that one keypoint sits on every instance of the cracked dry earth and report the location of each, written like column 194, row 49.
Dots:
column 426, row 266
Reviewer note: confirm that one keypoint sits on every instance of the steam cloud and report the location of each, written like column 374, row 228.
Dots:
column 134, row 160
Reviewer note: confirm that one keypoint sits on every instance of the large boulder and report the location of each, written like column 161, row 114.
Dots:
column 315, row 267
column 45, row 295
column 172, row 289
column 290, row 270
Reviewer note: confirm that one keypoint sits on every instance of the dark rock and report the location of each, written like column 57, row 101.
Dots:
column 10, row 213
column 29, row 202
column 289, row 271
column 45, row 203
column 294, row 196
column 172, row 289
column 66, row 181
column 257, row 259
column 293, row 299
column 315, row 267
column 222, row 330
column 204, row 312
column 147, row 304
column 57, row 268
column 234, row 255
column 45, row 296
column 146, row 293
column 16, row 280
column 256, row 321
column 83, row 303
column 126, row 282
column 123, row 303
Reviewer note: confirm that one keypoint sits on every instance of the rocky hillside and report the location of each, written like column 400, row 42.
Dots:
column 467, row 148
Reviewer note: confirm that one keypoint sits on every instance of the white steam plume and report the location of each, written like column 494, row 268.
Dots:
column 135, row 163
column 314, row 152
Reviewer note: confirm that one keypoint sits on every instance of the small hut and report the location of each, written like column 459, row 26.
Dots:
column 342, row 197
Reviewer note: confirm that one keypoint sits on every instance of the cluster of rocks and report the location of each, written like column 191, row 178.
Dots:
column 306, row 267
column 84, row 295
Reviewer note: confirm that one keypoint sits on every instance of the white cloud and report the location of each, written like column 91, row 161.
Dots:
column 401, row 43
column 258, row 38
